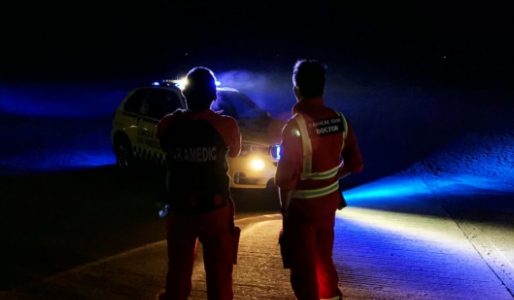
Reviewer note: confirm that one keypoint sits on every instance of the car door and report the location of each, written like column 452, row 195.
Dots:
column 160, row 102
column 131, row 116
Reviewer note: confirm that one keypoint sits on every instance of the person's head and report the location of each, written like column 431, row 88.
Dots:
column 308, row 79
column 200, row 89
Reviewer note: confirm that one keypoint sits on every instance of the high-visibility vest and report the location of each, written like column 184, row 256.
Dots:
column 307, row 161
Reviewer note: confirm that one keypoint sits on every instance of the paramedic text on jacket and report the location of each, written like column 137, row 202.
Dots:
column 197, row 142
column 318, row 148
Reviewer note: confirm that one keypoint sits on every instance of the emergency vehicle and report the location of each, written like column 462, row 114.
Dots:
column 134, row 132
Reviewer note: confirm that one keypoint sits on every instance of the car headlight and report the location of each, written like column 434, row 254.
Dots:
column 257, row 164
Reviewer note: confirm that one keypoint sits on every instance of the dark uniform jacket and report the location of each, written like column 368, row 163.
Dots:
column 197, row 145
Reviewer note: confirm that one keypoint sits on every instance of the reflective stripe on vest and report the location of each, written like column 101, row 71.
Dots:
column 314, row 193
column 307, row 162
column 345, row 132
column 306, row 147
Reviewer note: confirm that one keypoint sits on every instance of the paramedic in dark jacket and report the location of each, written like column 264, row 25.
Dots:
column 318, row 148
column 197, row 142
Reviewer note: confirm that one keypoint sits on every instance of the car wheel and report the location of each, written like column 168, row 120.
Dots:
column 124, row 156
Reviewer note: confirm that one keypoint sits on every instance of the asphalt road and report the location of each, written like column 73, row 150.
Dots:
column 395, row 248
column 53, row 222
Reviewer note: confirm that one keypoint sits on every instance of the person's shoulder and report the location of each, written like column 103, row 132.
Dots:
column 293, row 117
column 223, row 118
column 172, row 118
column 228, row 119
column 291, row 126
column 339, row 112
column 179, row 113
column 293, row 120
column 345, row 119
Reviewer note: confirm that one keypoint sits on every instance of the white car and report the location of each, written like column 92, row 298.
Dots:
column 134, row 131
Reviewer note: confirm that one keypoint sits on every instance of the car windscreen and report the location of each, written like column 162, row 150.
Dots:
column 236, row 105
column 161, row 102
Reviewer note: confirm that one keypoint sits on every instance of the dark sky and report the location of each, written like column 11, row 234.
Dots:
column 102, row 39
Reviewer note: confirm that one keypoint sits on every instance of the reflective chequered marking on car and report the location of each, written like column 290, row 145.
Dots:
column 148, row 155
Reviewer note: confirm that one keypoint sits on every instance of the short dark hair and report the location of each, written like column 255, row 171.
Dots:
column 200, row 88
column 309, row 77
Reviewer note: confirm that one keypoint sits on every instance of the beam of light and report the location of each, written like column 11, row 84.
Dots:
column 401, row 252
column 436, row 229
column 463, row 184
column 473, row 164
column 58, row 102
column 401, row 215
column 425, row 185
column 265, row 89
column 389, row 187
column 181, row 83
column 56, row 161
column 86, row 151
column 398, row 231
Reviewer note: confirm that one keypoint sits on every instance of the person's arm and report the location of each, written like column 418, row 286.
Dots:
column 161, row 128
column 352, row 157
column 289, row 166
column 234, row 143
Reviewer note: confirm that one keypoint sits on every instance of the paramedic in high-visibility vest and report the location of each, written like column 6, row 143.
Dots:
column 197, row 142
column 318, row 148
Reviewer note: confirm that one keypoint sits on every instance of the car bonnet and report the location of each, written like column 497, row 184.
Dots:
column 265, row 131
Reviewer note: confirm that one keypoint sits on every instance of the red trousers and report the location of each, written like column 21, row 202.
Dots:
column 214, row 230
column 310, row 244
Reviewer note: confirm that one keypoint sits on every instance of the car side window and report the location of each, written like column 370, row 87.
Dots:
column 133, row 104
column 161, row 102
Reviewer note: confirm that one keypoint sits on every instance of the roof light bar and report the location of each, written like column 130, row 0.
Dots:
column 181, row 83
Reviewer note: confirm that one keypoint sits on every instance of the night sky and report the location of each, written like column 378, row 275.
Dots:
column 467, row 43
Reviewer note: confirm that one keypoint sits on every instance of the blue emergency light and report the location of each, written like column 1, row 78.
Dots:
column 276, row 152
